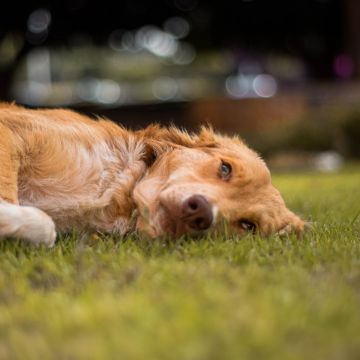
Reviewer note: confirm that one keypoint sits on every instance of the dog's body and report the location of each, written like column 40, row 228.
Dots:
column 57, row 166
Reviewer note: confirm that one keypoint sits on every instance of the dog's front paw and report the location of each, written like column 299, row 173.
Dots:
column 27, row 223
column 39, row 228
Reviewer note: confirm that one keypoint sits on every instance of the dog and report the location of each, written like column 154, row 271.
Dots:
column 60, row 170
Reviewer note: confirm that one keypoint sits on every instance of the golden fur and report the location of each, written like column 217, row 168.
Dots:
column 59, row 166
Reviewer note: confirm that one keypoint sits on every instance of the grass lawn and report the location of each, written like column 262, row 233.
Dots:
column 213, row 298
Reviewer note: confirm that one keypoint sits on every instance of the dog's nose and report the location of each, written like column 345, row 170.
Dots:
column 197, row 212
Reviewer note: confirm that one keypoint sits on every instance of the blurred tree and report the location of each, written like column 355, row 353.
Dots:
column 309, row 29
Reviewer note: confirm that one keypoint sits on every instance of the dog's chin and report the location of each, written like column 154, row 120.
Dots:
column 156, row 223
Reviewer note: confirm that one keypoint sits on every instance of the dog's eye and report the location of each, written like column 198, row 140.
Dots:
column 246, row 225
column 225, row 170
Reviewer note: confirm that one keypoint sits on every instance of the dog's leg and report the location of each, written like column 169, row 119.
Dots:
column 26, row 223
column 23, row 222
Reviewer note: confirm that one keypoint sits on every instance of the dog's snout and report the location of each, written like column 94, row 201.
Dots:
column 197, row 212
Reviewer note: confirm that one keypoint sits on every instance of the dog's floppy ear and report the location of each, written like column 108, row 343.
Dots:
column 153, row 138
column 159, row 140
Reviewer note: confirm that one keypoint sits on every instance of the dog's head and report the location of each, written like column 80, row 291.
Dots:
column 197, row 182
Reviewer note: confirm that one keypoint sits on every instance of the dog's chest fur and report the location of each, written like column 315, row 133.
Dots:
column 83, row 185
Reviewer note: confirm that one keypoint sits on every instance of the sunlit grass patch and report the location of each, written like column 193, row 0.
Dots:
column 211, row 298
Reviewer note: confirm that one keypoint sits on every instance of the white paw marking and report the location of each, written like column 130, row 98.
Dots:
column 26, row 223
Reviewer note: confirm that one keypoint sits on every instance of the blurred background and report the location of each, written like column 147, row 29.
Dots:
column 285, row 75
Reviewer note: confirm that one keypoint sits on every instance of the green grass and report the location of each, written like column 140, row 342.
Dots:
column 223, row 298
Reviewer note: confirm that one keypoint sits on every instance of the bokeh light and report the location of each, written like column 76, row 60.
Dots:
column 265, row 85
column 165, row 88
column 38, row 24
column 177, row 26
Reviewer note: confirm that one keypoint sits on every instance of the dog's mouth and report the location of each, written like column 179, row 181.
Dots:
column 194, row 215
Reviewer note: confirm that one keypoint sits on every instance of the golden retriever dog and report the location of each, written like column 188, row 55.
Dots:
column 60, row 170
